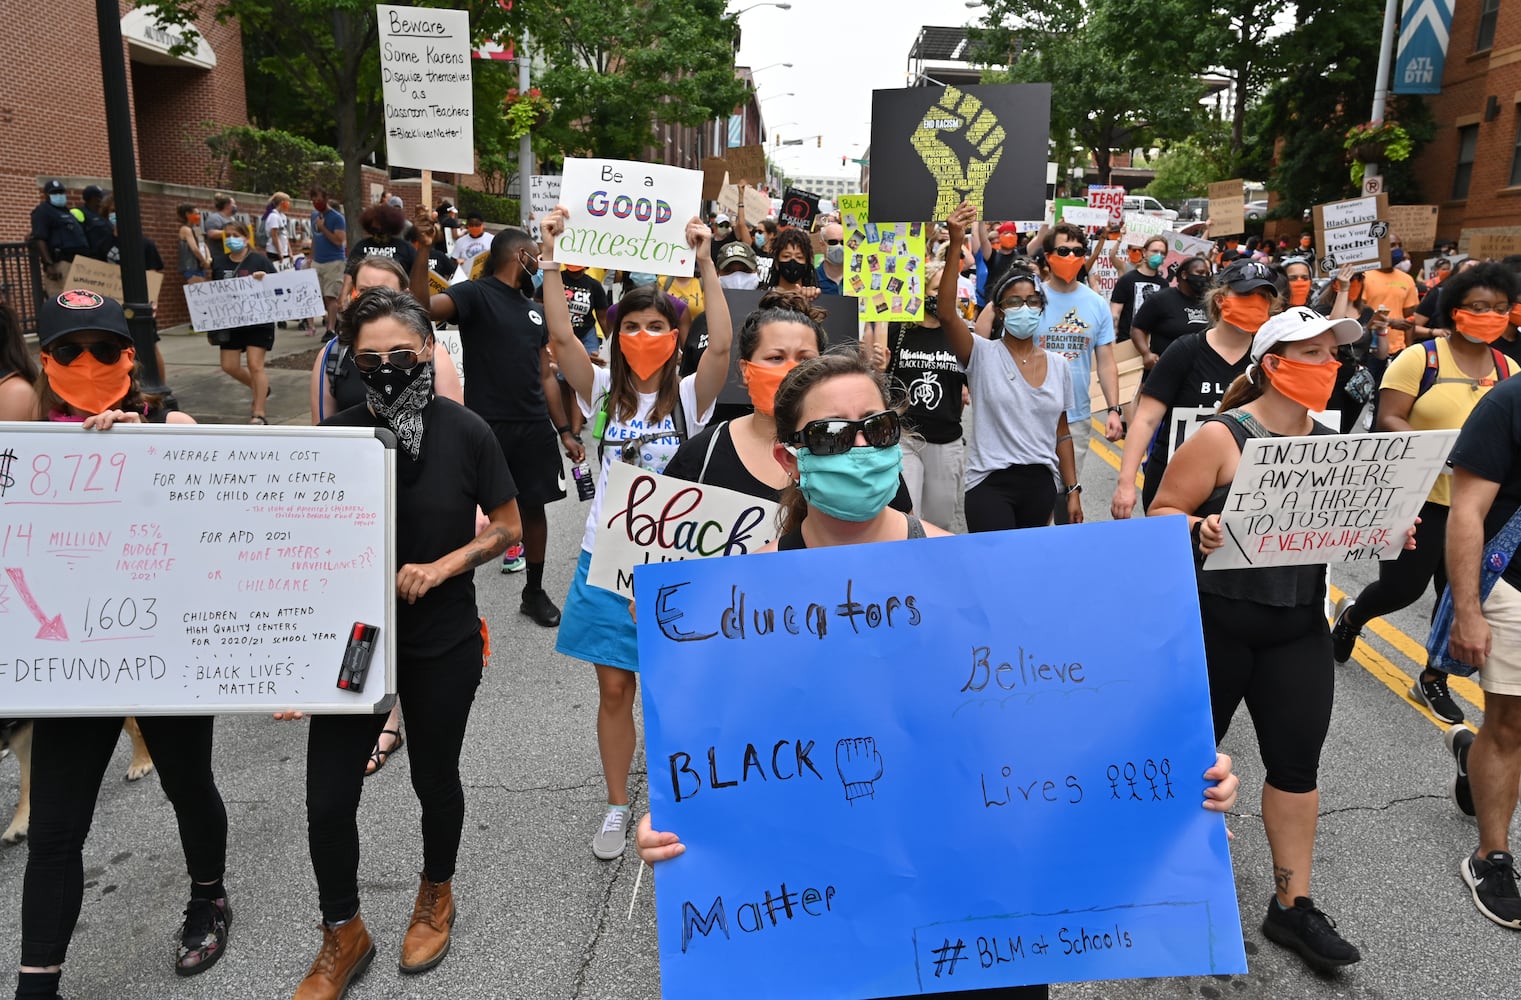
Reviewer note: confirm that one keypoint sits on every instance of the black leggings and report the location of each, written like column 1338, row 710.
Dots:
column 1279, row 661
column 69, row 760
column 1401, row 581
column 1021, row 496
column 436, row 695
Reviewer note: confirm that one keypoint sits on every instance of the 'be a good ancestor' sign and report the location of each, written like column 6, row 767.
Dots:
column 628, row 215
column 425, row 79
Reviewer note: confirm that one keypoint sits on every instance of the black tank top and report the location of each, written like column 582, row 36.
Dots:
column 794, row 539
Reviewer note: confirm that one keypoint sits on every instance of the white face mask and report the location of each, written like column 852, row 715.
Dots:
column 740, row 280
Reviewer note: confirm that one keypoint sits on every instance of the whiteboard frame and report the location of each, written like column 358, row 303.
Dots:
column 374, row 700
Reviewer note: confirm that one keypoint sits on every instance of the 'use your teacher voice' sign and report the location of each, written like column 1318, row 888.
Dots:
column 629, row 216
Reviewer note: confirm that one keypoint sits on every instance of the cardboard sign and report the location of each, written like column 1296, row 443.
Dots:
column 872, row 745
column 1348, row 498
column 647, row 518
column 1139, row 228
column 1180, row 248
column 1415, row 225
column 1227, row 208
column 543, row 196
column 628, row 215
column 1092, row 218
column 1483, row 246
column 1112, row 200
column 934, row 147
column 715, row 173
column 425, row 77
column 104, row 279
column 1354, row 232
column 270, row 298
column 884, row 263
column 747, row 163
column 172, row 570
column 757, row 205
column 799, row 208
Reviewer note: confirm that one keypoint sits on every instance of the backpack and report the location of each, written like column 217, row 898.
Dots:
column 1429, row 376
column 632, row 447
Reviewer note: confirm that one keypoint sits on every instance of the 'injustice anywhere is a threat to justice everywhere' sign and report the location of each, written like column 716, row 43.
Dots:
column 159, row 570
column 425, row 77
column 1323, row 499
column 628, row 215
column 868, row 753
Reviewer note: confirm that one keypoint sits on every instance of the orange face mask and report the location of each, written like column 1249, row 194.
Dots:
column 763, row 381
column 1008, row 241
column 1065, row 268
column 1308, row 385
column 87, row 384
column 1481, row 328
column 1299, row 291
column 1515, row 315
column 1135, row 255
column 646, row 352
column 1246, row 313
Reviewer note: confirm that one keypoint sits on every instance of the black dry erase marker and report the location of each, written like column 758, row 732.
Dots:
column 366, row 649
column 350, row 658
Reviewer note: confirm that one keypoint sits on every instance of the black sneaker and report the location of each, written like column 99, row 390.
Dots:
column 1304, row 929
column 1434, row 695
column 537, row 605
column 1344, row 634
column 1492, row 880
column 1459, row 739
column 203, row 936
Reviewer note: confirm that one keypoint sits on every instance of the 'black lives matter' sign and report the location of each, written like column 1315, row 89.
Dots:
column 933, row 147
column 799, row 208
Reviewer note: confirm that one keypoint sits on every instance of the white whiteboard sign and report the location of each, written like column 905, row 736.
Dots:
column 543, row 195
column 1331, row 498
column 177, row 570
column 425, row 79
column 233, row 302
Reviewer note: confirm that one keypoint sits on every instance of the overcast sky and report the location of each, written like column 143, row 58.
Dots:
column 840, row 50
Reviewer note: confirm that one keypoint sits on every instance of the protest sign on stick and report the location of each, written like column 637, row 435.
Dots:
column 543, row 195
column 714, row 172
column 816, row 721
column 1227, row 208
column 1354, row 232
column 1415, row 225
column 628, row 215
column 1140, row 227
column 1086, row 216
column 1327, row 499
column 747, row 163
column 1486, row 246
column 1181, row 247
column 270, row 298
column 425, row 78
column 104, row 278
column 1111, row 198
column 757, row 205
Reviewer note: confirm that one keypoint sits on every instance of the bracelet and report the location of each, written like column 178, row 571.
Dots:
column 1074, row 488
column 562, row 431
column 548, row 265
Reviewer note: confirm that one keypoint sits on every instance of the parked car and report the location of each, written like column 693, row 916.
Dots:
column 1145, row 204
column 1256, row 210
column 1194, row 210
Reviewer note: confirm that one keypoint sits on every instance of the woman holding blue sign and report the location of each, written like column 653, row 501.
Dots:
column 1266, row 640
column 642, row 410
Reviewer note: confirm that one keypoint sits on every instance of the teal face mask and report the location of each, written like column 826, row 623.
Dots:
column 1021, row 322
column 1155, row 260
column 641, row 278
column 58, row 200
column 853, row 486
column 235, row 243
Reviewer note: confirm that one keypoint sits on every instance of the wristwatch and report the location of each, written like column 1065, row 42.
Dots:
column 1117, row 409
column 562, row 431
column 1074, row 488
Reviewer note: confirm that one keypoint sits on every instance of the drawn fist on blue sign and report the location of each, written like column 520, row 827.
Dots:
column 859, row 765
column 976, row 131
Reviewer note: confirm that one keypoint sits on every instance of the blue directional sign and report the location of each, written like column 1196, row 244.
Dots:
column 1424, row 30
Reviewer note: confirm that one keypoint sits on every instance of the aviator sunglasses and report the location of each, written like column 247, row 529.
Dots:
column 405, row 359
column 107, row 352
column 835, row 436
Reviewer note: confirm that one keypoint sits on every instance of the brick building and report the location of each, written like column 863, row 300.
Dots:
column 1472, row 168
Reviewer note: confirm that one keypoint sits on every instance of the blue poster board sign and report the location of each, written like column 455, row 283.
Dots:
column 1422, row 51
column 922, row 767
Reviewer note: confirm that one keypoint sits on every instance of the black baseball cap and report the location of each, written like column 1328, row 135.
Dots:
column 92, row 191
column 53, row 186
column 79, row 309
column 1247, row 276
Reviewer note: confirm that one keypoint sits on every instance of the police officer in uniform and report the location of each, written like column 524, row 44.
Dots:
column 57, row 234
column 100, row 231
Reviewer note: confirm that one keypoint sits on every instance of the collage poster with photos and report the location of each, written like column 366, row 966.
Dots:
column 884, row 263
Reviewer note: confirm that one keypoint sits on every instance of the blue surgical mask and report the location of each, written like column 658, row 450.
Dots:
column 58, row 200
column 760, row 238
column 1021, row 322
column 641, row 278
column 1154, row 261
column 235, row 243
column 112, row 217
column 538, row 280
column 853, row 486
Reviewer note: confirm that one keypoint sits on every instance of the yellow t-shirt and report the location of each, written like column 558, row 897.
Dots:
column 688, row 290
column 1446, row 404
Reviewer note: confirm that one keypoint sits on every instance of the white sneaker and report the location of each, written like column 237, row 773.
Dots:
column 611, row 840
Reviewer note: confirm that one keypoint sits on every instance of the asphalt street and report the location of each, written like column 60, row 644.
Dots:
column 539, row 917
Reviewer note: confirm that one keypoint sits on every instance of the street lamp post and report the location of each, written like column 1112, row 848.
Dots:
column 784, row 65
column 753, row 6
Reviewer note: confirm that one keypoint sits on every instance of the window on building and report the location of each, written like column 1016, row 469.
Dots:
column 1489, row 13
column 1468, row 144
column 1515, row 155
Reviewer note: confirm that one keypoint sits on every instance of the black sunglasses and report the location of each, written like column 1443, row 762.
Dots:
column 405, row 359
column 836, row 437
column 833, row 243
column 107, row 352
column 1070, row 252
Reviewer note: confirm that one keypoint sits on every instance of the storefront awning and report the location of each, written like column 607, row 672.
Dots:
column 150, row 42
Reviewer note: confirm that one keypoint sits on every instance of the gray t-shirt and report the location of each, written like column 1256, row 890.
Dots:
column 1016, row 423
column 214, row 221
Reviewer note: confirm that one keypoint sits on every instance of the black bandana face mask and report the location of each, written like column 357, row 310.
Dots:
column 398, row 396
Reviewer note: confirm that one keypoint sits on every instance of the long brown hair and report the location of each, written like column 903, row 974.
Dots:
column 623, row 395
column 789, row 407
column 1248, row 386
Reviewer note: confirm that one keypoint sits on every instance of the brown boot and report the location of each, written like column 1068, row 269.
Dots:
column 427, row 940
column 346, row 953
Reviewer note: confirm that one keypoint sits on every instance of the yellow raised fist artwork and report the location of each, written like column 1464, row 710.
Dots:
column 965, row 120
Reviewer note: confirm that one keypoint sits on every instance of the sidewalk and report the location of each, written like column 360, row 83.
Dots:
column 212, row 397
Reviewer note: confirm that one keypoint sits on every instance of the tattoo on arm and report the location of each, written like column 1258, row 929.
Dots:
column 487, row 546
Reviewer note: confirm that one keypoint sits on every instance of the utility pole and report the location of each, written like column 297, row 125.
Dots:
column 525, row 144
column 1381, row 87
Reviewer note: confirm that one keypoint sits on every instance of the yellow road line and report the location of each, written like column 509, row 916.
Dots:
column 1415, row 652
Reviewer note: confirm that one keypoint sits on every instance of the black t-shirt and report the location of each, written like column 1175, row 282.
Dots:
column 1168, row 315
column 922, row 362
column 503, row 333
column 58, row 228
column 441, row 263
column 98, row 234
column 152, row 259
column 1191, row 379
column 1431, row 305
column 997, row 264
column 585, row 297
column 460, row 467
column 1488, row 447
column 224, row 267
column 1510, row 348
column 398, row 250
column 1132, row 289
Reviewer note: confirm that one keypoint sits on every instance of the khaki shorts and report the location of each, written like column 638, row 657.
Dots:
column 1502, row 671
column 330, row 278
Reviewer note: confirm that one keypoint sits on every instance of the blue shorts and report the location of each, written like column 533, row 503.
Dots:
column 595, row 625
column 193, row 274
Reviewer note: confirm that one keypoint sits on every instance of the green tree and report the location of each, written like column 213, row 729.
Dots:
column 1185, row 170
column 614, row 70
column 1107, row 91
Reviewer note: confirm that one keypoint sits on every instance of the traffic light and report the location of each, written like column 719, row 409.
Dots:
column 777, row 139
column 821, row 142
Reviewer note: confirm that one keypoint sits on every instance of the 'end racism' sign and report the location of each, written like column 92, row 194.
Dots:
column 628, row 215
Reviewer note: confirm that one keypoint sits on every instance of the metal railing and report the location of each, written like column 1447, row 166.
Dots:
column 21, row 283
